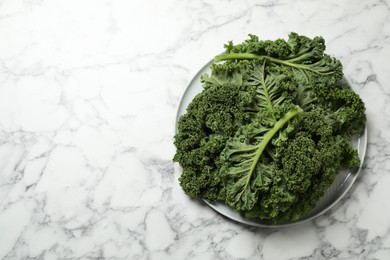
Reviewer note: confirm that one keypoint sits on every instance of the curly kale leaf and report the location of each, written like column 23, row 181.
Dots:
column 303, row 54
column 211, row 119
column 242, row 171
column 346, row 111
column 268, row 89
column 231, row 74
column 304, row 169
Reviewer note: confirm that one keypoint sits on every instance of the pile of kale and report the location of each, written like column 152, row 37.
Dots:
column 271, row 128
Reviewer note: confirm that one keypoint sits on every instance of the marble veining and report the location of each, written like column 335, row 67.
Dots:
column 88, row 98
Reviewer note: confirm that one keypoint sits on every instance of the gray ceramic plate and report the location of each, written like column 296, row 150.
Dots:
column 335, row 192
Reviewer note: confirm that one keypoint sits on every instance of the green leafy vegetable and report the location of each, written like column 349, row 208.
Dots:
column 271, row 129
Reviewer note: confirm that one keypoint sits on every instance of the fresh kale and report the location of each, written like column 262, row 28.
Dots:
column 271, row 128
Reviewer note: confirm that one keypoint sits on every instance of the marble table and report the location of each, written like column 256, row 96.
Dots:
column 88, row 96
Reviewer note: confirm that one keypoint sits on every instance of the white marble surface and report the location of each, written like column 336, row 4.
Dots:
column 88, row 95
